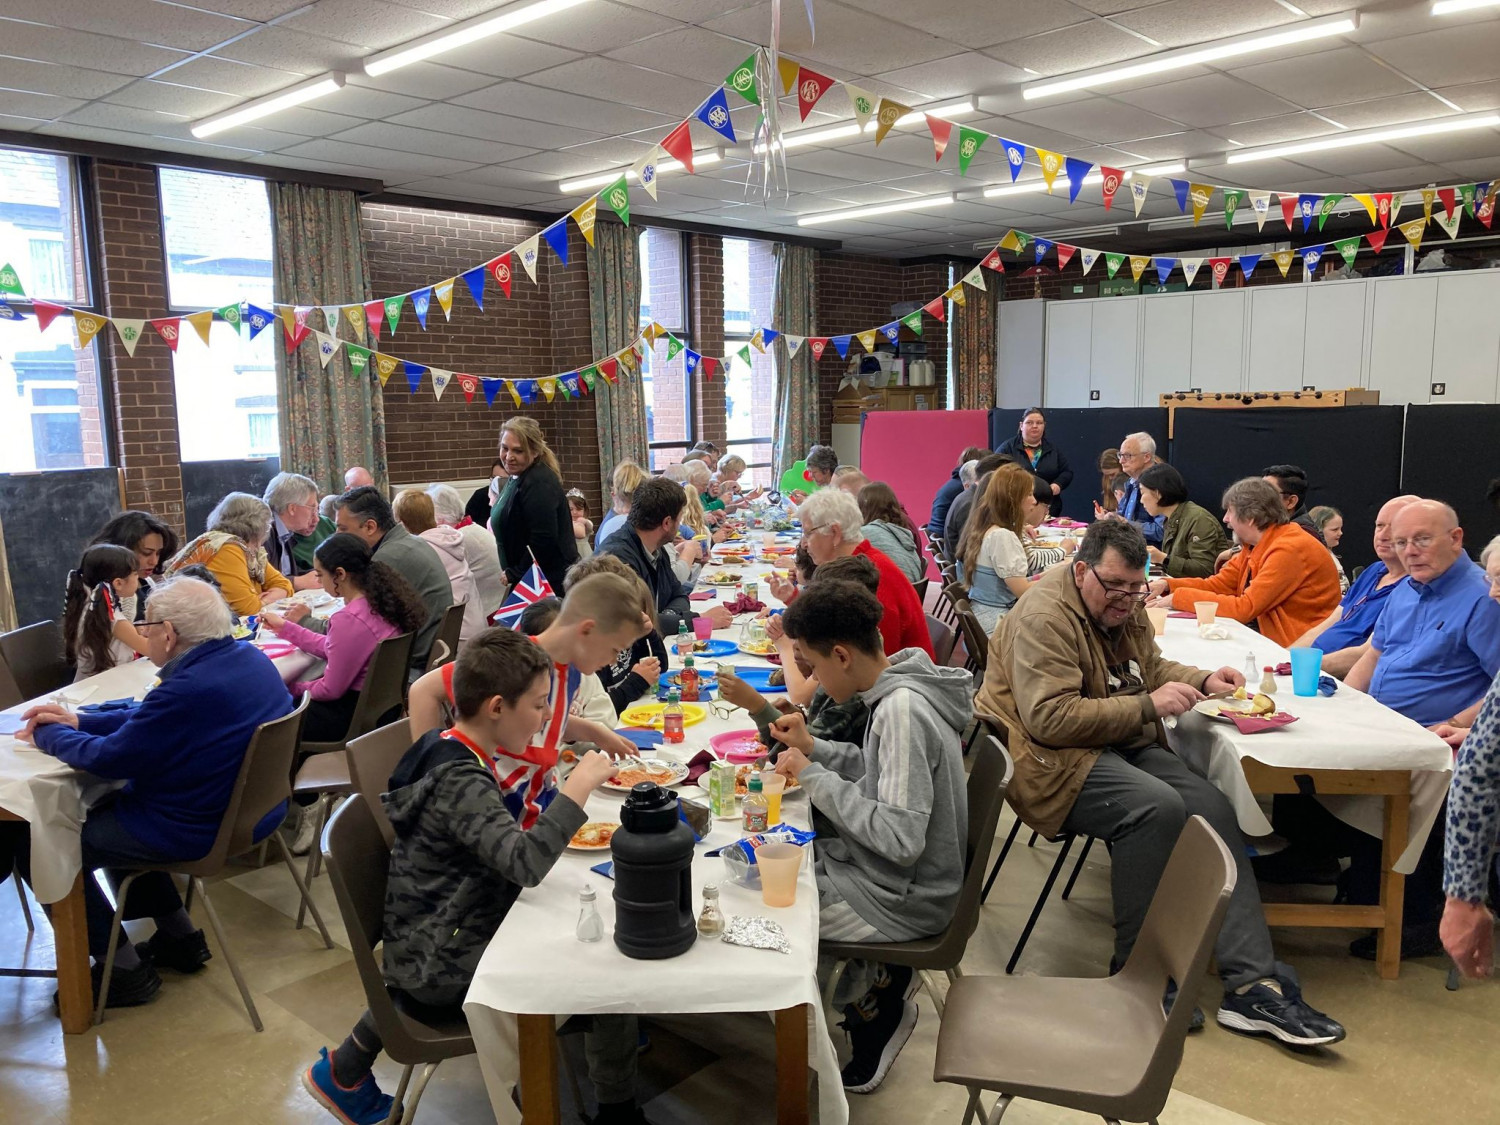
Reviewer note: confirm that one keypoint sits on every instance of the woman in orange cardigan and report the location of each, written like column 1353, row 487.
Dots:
column 1283, row 582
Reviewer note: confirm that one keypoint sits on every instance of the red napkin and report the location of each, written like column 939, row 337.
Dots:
column 1284, row 669
column 698, row 766
column 745, row 604
column 1182, row 615
column 703, row 595
column 1258, row 724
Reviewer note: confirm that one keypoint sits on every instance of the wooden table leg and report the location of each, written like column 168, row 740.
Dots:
column 1393, row 884
column 70, row 939
column 791, row 1065
column 536, row 1040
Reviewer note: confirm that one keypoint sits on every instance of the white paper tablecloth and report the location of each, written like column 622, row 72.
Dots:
column 535, row 965
column 1346, row 731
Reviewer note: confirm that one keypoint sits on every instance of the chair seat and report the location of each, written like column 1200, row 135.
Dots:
column 923, row 953
column 432, row 1041
column 324, row 773
column 1053, row 1024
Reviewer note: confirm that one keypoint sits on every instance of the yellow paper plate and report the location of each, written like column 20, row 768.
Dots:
column 649, row 715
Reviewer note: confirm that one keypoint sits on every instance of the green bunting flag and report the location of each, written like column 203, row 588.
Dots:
column 744, row 354
column 10, row 280
column 913, row 320
column 1349, row 248
column 742, row 80
column 393, row 311
column 230, row 314
column 1326, row 208
column 617, row 195
column 1232, row 201
column 588, row 375
column 1113, row 262
column 1466, row 192
column 359, row 357
column 969, row 141
column 674, row 345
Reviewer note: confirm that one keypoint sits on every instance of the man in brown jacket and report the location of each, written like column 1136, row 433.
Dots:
column 1078, row 684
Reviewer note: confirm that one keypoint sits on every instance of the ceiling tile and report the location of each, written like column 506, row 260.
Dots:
column 507, row 56
column 329, row 167
column 955, row 76
column 143, row 21
column 1474, row 96
column 1397, row 110
column 226, row 76
column 453, row 9
column 1180, row 23
column 518, row 99
column 79, row 48
column 690, row 51
column 308, row 122
column 46, row 78
column 361, row 156
column 370, row 23
column 445, row 117
column 565, row 164
column 363, row 101
column 626, row 84
column 400, row 138
column 1273, row 130
column 1207, row 101
column 699, row 11
column 20, row 124
column 1475, row 145
column 1351, row 164
column 42, row 107
column 1342, row 75
column 126, row 119
column 172, row 98
column 166, row 144
column 846, row 38
column 977, row 25
column 599, row 27
column 251, row 9
column 426, row 80
column 1081, row 47
column 1463, row 53
column 299, row 51
column 1099, row 120
column 506, row 176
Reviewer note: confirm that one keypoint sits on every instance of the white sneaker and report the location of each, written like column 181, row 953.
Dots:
column 302, row 842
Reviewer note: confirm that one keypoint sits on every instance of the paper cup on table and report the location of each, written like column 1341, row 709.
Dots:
column 1206, row 612
column 703, row 628
column 1307, row 665
column 773, row 785
column 768, row 540
column 1158, row 616
column 779, row 864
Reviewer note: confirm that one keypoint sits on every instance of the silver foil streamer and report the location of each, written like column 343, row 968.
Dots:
column 756, row 933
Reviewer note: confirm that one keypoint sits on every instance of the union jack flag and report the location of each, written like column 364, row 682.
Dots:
column 532, row 588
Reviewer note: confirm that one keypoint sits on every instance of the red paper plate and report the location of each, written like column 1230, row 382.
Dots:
column 738, row 745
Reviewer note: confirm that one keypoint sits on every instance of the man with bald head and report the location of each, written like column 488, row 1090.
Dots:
column 1343, row 635
column 358, row 477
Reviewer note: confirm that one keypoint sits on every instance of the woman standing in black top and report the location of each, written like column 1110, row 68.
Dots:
column 531, row 518
column 1031, row 448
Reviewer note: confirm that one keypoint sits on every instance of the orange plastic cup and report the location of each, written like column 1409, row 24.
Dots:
column 1206, row 612
column 779, row 864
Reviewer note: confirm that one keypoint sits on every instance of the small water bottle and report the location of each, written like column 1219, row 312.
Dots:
column 590, row 925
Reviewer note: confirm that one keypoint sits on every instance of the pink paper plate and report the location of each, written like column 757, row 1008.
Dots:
column 277, row 648
column 737, row 745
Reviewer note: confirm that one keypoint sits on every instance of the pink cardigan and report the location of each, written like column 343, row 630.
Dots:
column 353, row 634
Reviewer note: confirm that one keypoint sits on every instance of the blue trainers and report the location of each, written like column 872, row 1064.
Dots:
column 361, row 1104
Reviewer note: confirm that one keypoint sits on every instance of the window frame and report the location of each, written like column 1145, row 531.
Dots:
column 733, row 344
column 686, row 334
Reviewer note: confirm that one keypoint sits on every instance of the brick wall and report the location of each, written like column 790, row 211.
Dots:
column 706, row 322
column 134, row 284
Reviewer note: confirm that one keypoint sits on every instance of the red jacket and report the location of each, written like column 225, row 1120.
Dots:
column 904, row 624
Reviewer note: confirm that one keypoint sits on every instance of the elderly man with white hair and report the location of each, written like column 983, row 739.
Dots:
column 1137, row 454
column 296, row 527
column 831, row 529
column 480, row 551
column 179, row 752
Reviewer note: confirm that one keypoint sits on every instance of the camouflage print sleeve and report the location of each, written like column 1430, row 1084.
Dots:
column 479, row 821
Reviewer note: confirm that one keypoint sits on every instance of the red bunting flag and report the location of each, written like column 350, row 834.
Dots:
column 500, row 270
column 709, row 365
column 1449, row 200
column 46, row 312
column 1065, row 254
column 1288, row 209
column 1376, row 239
column 935, row 308
column 991, row 262
column 1383, row 209
column 375, row 316
column 679, row 143
column 170, row 330
column 1113, row 178
column 941, row 131
column 1220, row 268
column 470, row 384
column 817, row 344
column 1487, row 206
column 610, row 369
column 810, row 87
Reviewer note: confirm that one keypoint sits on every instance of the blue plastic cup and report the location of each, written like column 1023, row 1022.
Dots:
column 1307, row 665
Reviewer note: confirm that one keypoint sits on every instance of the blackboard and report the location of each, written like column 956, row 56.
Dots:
column 205, row 483
column 1449, row 455
column 48, row 519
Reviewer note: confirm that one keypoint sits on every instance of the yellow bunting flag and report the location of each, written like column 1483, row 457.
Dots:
column 202, row 321
column 515, row 394
column 385, row 366
column 583, row 215
column 1413, row 232
column 1368, row 203
column 549, row 387
column 88, row 325
column 1428, row 195
column 957, row 295
column 889, row 113
column 1200, row 195
column 1051, row 163
column 288, row 315
column 1138, row 266
column 1284, row 260
column 788, row 71
column 867, row 338
column 443, row 291
column 651, row 332
column 354, row 316
column 1011, row 242
column 758, row 341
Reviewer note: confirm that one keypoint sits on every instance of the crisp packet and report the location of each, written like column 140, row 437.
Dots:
column 739, row 857
column 756, row 933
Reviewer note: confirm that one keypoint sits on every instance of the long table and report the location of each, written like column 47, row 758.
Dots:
column 535, row 970
column 1373, row 768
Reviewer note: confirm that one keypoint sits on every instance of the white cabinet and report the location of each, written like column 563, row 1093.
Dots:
column 1112, row 361
column 1278, row 320
column 1334, row 339
column 1166, row 344
column 1020, row 354
column 1466, row 337
column 1219, row 340
column 1401, row 336
column 1069, row 343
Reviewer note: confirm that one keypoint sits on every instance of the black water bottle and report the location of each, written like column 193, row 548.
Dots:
column 653, row 854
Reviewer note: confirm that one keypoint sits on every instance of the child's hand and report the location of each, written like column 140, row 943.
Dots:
column 782, row 589
column 792, row 730
column 272, row 621
column 616, row 745
column 791, row 762
column 592, row 771
column 774, row 629
column 297, row 611
column 734, row 690
column 648, row 669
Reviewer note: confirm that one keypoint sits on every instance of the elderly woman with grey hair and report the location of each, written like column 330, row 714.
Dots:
column 479, row 545
column 297, row 527
column 234, row 551
column 179, row 752
column 1284, row 581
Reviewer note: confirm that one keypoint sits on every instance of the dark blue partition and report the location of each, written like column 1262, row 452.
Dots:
column 1451, row 453
column 1082, row 434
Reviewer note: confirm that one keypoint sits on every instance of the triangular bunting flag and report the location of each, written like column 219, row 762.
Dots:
column 440, row 381
column 46, row 312
column 769, row 336
column 1376, row 239
column 1383, row 208
column 443, row 291
column 1288, row 208
column 957, row 295
column 1348, row 249
column 354, row 316
column 257, row 318
column 10, row 281
column 690, row 361
column 499, row 269
column 1052, row 164
column 169, row 328
column 742, row 81
column 935, row 308
column 1450, row 222
column 1064, row 254
column 1248, row 262
column 1447, row 198
column 969, row 143
column 744, row 354
column 715, row 114
column 468, row 384
column 711, row 366
column 1015, row 156
column 887, row 115
column 841, row 345
column 941, row 130
column 645, row 172
column 1368, row 203
column 1190, row 267
column 474, row 281
column 557, row 238
column 1076, row 170
column 867, row 338
column 992, row 261
column 1326, row 208
column 862, row 102
column 230, row 314
column 1199, row 194
column 203, row 321
column 1180, row 189
column 1139, row 186
column 1311, row 256
column 492, row 388
column 359, row 358
column 1284, row 260
column 674, row 345
column 1232, row 200
column 794, row 343
column 1396, row 200
column 385, row 366
column 787, row 70
column 1164, row 267
column 393, row 311
column 1042, row 247
column 1487, row 205
column 568, row 384
column 1087, row 258
column 421, row 301
column 528, row 252
column 129, row 332
column 610, row 369
column 584, row 215
column 8, row 313
column 328, row 347
column 1260, row 203
column 1219, row 269
column 679, row 144
column 375, row 317
column 1307, row 207
column 913, row 320
column 1112, row 263
column 332, row 314
column 1113, row 178
column 810, row 87
column 1138, row 264
column 974, row 277
column 892, row 331
column 549, row 385
column 817, row 344
column 617, row 195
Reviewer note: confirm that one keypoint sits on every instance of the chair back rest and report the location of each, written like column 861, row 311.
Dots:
column 1175, row 941
column 385, row 684
column 975, row 640
column 447, row 635
column 372, row 760
column 920, row 586
column 943, row 639
column 989, row 779
column 264, row 781
column 36, row 659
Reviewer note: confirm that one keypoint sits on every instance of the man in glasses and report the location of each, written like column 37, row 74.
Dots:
column 1137, row 454
column 1077, row 681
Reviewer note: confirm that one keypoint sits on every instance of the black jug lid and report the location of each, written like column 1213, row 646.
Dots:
column 649, row 807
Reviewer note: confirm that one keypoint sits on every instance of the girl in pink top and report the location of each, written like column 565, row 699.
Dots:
column 378, row 603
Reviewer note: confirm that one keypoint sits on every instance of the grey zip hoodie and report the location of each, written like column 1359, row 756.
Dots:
column 898, row 800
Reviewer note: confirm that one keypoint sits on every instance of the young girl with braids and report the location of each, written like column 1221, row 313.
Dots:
column 378, row 603
column 98, row 632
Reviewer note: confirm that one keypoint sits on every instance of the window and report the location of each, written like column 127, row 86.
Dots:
column 218, row 248
column 750, row 392
column 670, row 429
column 50, row 402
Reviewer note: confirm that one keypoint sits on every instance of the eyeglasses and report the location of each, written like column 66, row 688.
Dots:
column 1420, row 542
column 150, row 624
column 815, row 530
column 1130, row 456
column 1121, row 595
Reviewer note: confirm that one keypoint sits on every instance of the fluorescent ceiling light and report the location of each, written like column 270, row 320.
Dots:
column 1027, row 187
column 273, row 103
column 1365, row 137
column 1170, row 169
column 1452, row 7
column 700, row 159
column 462, row 34
column 878, row 209
column 801, row 138
column 1341, row 24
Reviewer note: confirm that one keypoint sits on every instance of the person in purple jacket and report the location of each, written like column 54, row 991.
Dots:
column 378, row 604
column 178, row 752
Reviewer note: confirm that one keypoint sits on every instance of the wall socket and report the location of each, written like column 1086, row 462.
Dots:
column 1439, row 389
column 1094, row 396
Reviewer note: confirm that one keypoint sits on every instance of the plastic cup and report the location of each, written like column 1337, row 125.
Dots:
column 773, row 784
column 779, row 864
column 768, row 540
column 1158, row 616
column 703, row 628
column 1206, row 612
column 1307, row 665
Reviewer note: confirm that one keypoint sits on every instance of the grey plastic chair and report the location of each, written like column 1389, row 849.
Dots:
column 447, row 636
column 35, row 661
column 943, row 637
column 372, row 760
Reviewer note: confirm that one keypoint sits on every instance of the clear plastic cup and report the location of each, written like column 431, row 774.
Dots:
column 779, row 864
column 768, row 540
column 703, row 628
column 1307, row 665
column 773, row 785
column 1158, row 617
column 1206, row 612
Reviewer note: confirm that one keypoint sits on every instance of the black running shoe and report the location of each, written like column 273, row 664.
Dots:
column 181, row 954
column 128, row 988
column 877, row 1041
column 1169, row 998
column 1261, row 1010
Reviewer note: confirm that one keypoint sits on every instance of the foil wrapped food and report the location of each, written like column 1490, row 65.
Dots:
column 756, row 933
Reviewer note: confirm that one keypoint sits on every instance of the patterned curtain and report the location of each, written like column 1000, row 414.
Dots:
column 614, row 321
column 330, row 419
column 974, row 343
column 797, row 382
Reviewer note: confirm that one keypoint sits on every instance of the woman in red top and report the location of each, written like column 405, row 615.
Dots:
column 831, row 524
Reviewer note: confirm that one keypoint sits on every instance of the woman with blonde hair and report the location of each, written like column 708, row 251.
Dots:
column 991, row 554
column 627, row 477
column 531, row 519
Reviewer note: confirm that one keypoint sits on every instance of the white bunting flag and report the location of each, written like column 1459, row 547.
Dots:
column 975, row 277
column 1260, row 203
column 328, row 347
column 1089, row 257
column 863, row 102
column 645, row 170
column 793, row 344
column 440, row 381
column 129, row 332
column 1190, row 268
column 333, row 314
column 1449, row 223
column 1395, row 207
column 527, row 252
column 1139, row 186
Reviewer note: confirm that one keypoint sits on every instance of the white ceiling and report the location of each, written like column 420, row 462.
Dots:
column 592, row 88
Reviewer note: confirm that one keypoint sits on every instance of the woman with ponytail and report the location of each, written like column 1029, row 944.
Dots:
column 378, row 604
column 98, row 631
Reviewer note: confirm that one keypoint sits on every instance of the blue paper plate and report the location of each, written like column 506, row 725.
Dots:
column 645, row 738
column 759, row 678
column 707, row 685
column 715, row 649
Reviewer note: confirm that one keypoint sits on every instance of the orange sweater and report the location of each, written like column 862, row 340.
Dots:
column 1285, row 584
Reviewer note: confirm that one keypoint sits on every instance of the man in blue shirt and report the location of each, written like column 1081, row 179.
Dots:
column 1343, row 634
column 1137, row 454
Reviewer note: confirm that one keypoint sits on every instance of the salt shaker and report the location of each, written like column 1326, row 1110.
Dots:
column 590, row 925
column 711, row 918
column 1252, row 670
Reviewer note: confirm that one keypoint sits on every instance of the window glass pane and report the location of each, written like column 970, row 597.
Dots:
column 39, row 230
column 749, row 303
column 218, row 245
column 665, row 386
column 662, row 272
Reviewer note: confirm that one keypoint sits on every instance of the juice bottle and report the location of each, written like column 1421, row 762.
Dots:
column 689, row 681
column 671, row 719
column 755, row 810
column 684, row 638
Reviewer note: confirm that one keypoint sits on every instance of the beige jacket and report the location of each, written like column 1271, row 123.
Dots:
column 1047, row 685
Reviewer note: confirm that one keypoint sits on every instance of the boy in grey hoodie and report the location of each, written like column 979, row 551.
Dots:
column 896, row 799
